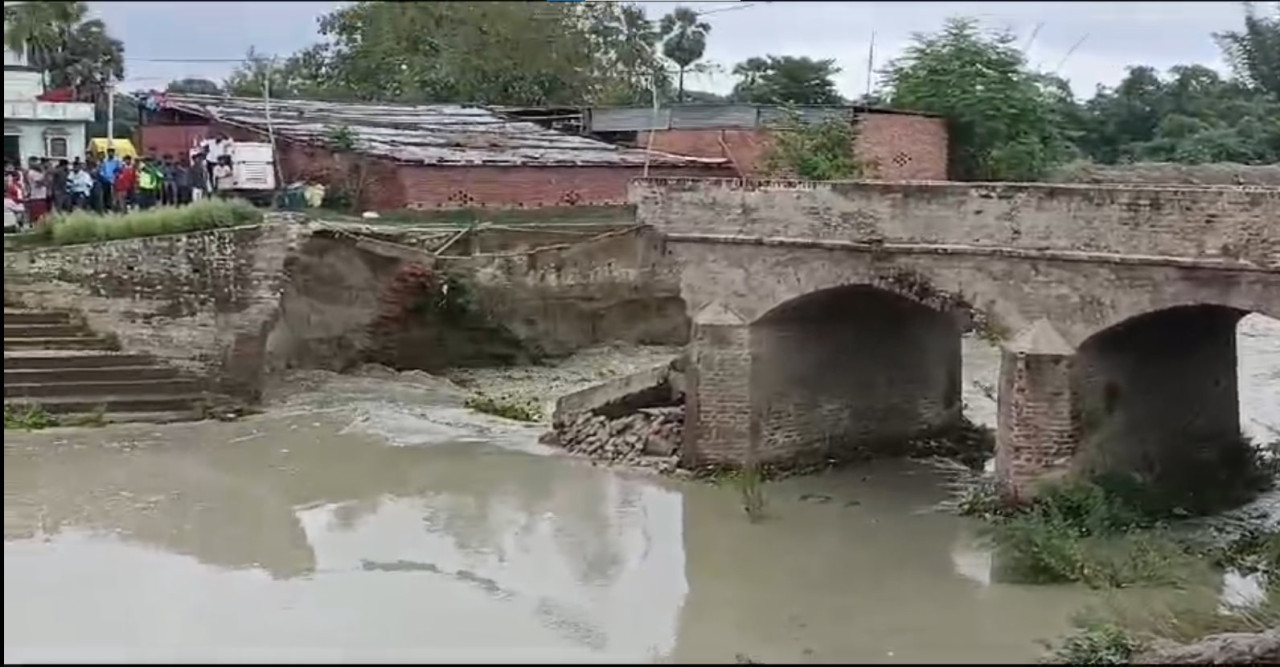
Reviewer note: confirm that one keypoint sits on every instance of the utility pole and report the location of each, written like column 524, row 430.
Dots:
column 111, row 113
column 871, row 57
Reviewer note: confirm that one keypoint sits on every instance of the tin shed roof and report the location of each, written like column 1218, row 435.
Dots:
column 436, row 134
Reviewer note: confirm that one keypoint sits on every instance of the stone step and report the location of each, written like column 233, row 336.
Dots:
column 66, row 330
column 62, row 343
column 61, row 405
column 88, row 374
column 36, row 317
column 175, row 386
column 64, row 359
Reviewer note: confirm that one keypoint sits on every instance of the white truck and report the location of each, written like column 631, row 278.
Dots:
column 253, row 170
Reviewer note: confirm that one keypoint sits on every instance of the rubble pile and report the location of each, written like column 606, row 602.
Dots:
column 649, row 437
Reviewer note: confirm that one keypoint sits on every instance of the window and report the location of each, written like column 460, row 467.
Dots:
column 57, row 147
column 56, row 143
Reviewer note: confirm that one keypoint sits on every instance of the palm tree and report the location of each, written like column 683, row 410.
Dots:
column 684, row 40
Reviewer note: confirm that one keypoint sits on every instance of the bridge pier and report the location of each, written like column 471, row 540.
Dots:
column 1036, row 431
column 719, row 424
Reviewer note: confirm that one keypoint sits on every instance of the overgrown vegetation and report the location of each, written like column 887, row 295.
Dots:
column 1120, row 628
column 417, row 290
column 89, row 227
column 1081, row 532
column 821, row 150
column 506, row 407
column 27, row 417
column 1097, row 643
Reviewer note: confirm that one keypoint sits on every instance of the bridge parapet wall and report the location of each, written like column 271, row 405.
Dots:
column 1238, row 225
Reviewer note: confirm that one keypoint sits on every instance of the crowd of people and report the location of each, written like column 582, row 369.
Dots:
column 111, row 184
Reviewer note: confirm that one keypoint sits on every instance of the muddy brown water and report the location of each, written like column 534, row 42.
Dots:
column 368, row 522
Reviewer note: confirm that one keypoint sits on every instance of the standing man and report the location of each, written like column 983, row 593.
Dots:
column 108, row 171
column 180, row 173
column 199, row 178
column 223, row 178
column 59, row 194
column 123, row 187
column 37, row 192
column 150, row 183
column 80, row 185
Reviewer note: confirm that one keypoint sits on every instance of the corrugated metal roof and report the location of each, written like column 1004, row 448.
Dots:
column 438, row 134
column 717, row 116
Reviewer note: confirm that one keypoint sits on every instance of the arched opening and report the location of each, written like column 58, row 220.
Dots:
column 1158, row 396
column 852, row 371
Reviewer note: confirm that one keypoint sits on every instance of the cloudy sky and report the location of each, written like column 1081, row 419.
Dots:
column 1106, row 36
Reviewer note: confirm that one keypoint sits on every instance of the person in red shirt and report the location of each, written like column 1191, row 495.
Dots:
column 126, row 180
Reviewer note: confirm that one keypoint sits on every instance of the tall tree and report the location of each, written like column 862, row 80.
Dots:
column 1192, row 116
column 193, row 87
column 625, row 43
column 1254, row 53
column 1004, row 118
column 786, row 80
column 74, row 51
column 684, row 41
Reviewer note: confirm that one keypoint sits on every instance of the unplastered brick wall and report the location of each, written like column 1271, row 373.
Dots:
column 205, row 301
column 897, row 147
column 903, row 147
column 434, row 187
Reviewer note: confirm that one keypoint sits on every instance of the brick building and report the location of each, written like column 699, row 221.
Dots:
column 420, row 157
column 900, row 145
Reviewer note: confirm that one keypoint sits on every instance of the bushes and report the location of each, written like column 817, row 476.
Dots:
column 89, row 227
column 1084, row 532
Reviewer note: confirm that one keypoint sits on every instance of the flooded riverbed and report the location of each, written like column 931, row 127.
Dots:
column 370, row 522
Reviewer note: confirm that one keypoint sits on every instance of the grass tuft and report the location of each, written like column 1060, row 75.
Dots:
column 505, row 407
column 89, row 227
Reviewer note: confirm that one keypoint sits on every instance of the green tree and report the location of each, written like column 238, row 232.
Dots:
column 1003, row 118
column 1254, row 52
column 72, row 50
column 817, row 150
column 684, row 42
column 786, row 80
column 1190, row 116
column 483, row 52
column 626, row 67
column 194, row 87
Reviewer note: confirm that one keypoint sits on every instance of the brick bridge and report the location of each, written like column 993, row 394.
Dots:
column 828, row 316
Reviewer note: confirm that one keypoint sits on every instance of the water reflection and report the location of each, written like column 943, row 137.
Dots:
column 580, row 560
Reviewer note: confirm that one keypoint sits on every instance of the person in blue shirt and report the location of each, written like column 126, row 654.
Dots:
column 108, row 170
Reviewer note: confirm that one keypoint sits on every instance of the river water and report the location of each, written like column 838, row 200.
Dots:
column 364, row 521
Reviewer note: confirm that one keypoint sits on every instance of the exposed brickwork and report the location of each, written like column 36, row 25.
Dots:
column 899, row 147
column 1081, row 259
column 1036, row 431
column 720, row 395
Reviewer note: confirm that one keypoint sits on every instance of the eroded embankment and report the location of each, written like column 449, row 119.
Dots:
column 240, row 305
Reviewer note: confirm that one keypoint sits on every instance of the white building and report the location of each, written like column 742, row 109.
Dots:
column 36, row 128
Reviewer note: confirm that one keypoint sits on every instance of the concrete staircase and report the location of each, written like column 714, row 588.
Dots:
column 52, row 359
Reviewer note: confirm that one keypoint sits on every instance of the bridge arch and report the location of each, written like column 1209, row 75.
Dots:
column 852, row 370
column 1157, row 395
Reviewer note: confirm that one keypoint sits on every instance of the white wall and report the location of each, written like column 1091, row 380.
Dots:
column 32, row 138
column 22, row 85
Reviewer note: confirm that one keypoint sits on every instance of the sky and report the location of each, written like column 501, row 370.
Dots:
column 1090, row 43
